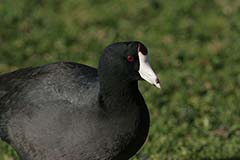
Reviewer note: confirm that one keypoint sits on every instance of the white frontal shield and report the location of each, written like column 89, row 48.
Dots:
column 146, row 71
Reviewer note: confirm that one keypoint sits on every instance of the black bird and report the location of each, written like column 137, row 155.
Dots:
column 70, row 111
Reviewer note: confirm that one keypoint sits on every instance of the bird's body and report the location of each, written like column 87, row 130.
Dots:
column 62, row 111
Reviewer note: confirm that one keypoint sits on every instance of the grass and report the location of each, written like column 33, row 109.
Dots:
column 194, row 47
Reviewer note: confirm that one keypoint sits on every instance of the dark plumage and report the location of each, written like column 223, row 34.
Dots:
column 70, row 111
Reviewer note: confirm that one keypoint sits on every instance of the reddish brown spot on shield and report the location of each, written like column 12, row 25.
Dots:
column 142, row 49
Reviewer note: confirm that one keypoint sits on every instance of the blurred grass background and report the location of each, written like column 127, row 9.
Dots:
column 194, row 47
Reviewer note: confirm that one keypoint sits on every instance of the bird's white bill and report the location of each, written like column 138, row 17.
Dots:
column 146, row 71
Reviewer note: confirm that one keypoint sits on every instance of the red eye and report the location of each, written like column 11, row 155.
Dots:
column 130, row 58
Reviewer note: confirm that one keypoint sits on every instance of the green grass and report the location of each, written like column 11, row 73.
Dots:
column 194, row 47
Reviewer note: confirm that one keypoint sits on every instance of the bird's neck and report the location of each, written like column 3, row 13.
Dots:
column 118, row 87
column 120, row 93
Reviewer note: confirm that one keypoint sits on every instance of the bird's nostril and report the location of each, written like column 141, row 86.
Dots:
column 157, row 81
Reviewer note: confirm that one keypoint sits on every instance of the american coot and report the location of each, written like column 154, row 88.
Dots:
column 70, row 111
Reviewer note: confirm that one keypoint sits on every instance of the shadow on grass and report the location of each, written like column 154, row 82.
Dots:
column 230, row 158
